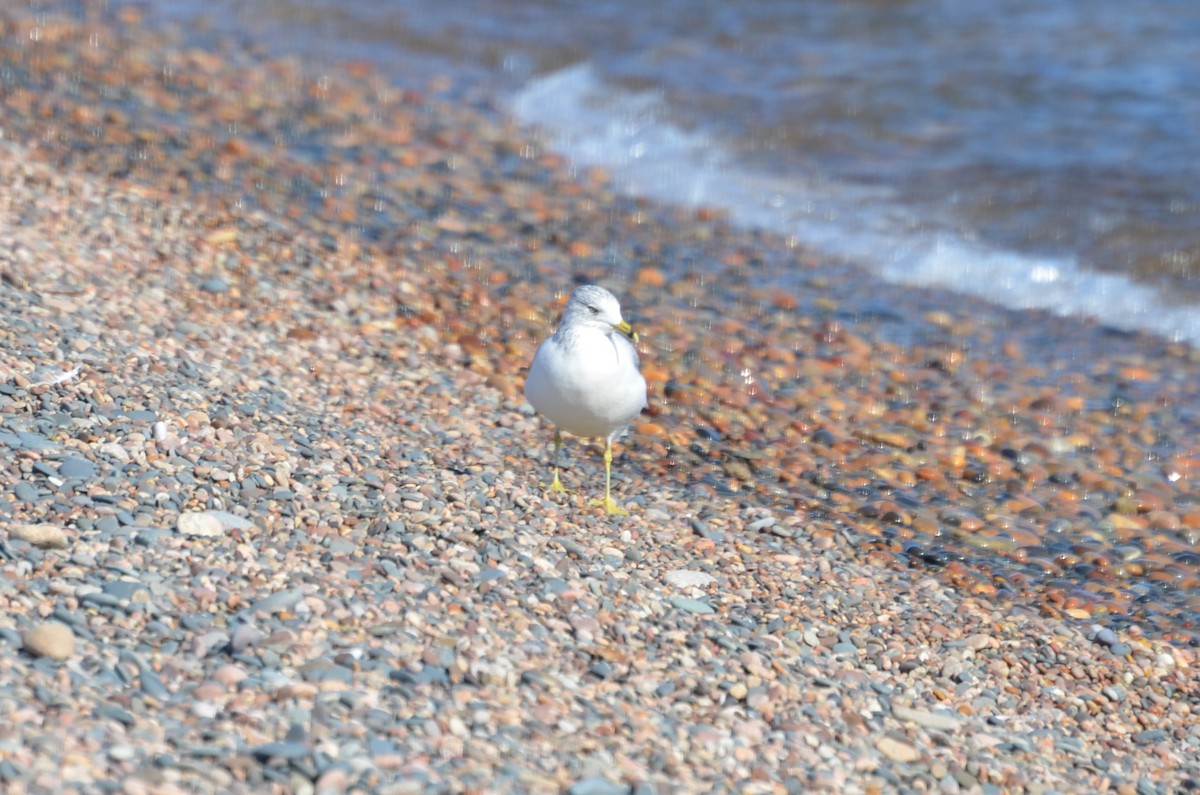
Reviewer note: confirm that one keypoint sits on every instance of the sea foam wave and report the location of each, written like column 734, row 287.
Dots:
column 595, row 123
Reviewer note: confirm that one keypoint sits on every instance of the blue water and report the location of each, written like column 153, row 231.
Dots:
column 1039, row 154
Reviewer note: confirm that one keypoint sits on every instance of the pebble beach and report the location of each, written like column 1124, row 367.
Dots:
column 271, row 506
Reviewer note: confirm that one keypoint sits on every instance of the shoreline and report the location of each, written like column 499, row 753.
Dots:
column 326, row 352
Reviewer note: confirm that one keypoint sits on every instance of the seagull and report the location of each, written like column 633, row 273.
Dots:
column 585, row 378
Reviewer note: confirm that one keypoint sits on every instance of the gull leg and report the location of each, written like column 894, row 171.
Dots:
column 557, row 485
column 607, row 502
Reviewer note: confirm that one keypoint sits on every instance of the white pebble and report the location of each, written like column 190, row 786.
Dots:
column 685, row 578
column 200, row 523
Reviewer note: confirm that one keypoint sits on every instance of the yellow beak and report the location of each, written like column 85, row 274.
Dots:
column 627, row 330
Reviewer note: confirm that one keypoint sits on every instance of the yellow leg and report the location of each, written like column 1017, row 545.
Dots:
column 607, row 502
column 557, row 485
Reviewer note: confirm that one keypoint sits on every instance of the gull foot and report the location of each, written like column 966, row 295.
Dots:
column 611, row 506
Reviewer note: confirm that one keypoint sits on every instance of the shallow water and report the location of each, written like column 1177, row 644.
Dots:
column 1039, row 155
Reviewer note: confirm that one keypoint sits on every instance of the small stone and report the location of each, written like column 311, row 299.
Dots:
column 121, row 753
column 762, row 524
column 278, row 601
column 42, row 536
column 1148, row 736
column 75, row 467
column 930, row 720
column 199, row 523
column 333, row 781
column 683, row 578
column 597, row 786
column 897, row 750
column 245, row 636
column 114, row 450
column 211, row 523
column 127, row 590
column 25, row 492
column 280, row 750
column 50, row 639
column 692, row 605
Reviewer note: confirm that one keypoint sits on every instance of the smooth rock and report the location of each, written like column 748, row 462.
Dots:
column 75, row 467
column 245, row 636
column 897, row 750
column 597, row 786
column 930, row 720
column 42, row 536
column 691, row 605
column 50, row 639
column 200, row 523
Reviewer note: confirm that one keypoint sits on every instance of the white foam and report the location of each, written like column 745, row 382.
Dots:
column 596, row 124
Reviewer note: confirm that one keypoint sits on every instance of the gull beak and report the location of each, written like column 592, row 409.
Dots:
column 626, row 330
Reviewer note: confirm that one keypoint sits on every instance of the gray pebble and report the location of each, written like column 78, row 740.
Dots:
column 149, row 536
column 691, row 605
column 25, row 492
column 571, row 546
column 35, row 441
column 113, row 712
column 108, row 524
column 705, row 530
column 75, row 467
column 245, row 636
column 279, row 750
column 278, row 601
column 100, row 599
column 597, row 786
column 1147, row 787
column 428, row 675
column 127, row 590
column 1148, row 736
column 42, row 468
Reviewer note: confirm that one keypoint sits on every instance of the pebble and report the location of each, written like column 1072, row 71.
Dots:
column 278, row 601
column 597, row 786
column 42, row 536
column 74, row 467
column 25, row 492
column 692, row 605
column 200, row 524
column 683, row 578
column 897, row 750
column 930, row 720
column 245, row 636
column 50, row 639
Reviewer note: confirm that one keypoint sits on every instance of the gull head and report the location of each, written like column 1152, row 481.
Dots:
column 591, row 306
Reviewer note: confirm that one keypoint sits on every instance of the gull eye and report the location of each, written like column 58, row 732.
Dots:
column 593, row 310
